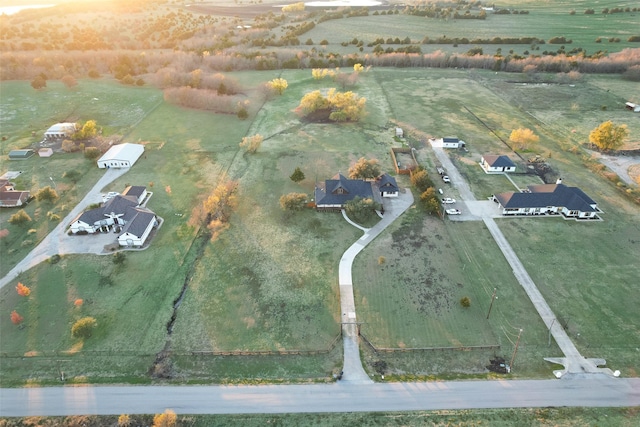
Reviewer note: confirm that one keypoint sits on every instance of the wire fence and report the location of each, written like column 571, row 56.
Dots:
column 415, row 349
column 48, row 354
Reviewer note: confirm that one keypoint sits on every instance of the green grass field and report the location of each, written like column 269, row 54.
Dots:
column 582, row 29
column 269, row 282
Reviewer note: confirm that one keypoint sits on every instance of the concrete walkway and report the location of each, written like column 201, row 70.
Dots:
column 574, row 363
column 353, row 370
column 58, row 242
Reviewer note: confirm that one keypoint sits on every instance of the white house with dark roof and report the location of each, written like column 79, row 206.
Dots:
column 549, row 199
column 137, row 230
column 492, row 163
column 122, row 214
column 336, row 192
column 137, row 191
column 121, row 156
column 387, row 185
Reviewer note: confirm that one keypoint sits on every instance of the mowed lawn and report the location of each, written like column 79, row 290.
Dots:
column 408, row 285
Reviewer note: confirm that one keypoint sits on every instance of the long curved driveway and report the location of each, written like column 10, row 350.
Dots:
column 353, row 370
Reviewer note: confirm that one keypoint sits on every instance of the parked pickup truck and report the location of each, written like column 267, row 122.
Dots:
column 453, row 212
column 448, row 201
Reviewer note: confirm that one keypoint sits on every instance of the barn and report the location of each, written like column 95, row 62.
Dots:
column 121, row 156
column 60, row 131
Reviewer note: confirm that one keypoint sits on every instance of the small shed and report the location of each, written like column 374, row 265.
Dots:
column 121, row 156
column 633, row 107
column 447, row 142
column 45, row 152
column 21, row 154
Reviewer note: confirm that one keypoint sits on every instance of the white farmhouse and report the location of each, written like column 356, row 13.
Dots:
column 492, row 163
column 121, row 156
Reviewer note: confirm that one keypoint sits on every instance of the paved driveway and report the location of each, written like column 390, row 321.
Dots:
column 58, row 242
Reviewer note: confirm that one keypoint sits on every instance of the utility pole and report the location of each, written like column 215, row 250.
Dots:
column 493, row 297
column 515, row 350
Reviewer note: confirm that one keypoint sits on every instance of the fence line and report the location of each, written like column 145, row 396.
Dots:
column 408, row 349
column 93, row 353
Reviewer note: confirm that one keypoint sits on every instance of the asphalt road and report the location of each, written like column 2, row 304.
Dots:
column 339, row 397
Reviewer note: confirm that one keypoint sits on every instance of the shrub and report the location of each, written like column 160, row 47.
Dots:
column 91, row 153
column 23, row 290
column 19, row 217
column 16, row 319
column 83, row 328
column 47, row 194
column 465, row 302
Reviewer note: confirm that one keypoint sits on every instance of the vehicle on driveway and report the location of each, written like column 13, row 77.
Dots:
column 440, row 170
column 109, row 196
column 446, row 179
column 448, row 201
column 453, row 212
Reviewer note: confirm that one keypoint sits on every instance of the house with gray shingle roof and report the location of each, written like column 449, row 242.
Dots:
column 549, row 199
column 333, row 194
column 136, row 231
column 387, row 185
column 492, row 163
column 122, row 214
column 138, row 191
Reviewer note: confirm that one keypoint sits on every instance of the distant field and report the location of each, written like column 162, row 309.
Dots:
column 544, row 22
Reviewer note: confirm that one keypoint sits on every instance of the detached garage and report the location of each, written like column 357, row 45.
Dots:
column 121, row 156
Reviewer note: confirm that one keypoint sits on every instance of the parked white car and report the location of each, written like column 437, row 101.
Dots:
column 108, row 196
column 448, row 201
column 445, row 178
column 453, row 212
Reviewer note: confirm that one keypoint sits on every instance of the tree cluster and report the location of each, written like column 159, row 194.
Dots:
column 252, row 143
column 365, row 169
column 83, row 328
column 293, row 201
column 608, row 136
column 360, row 209
column 339, row 106
column 428, row 196
column 523, row 138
